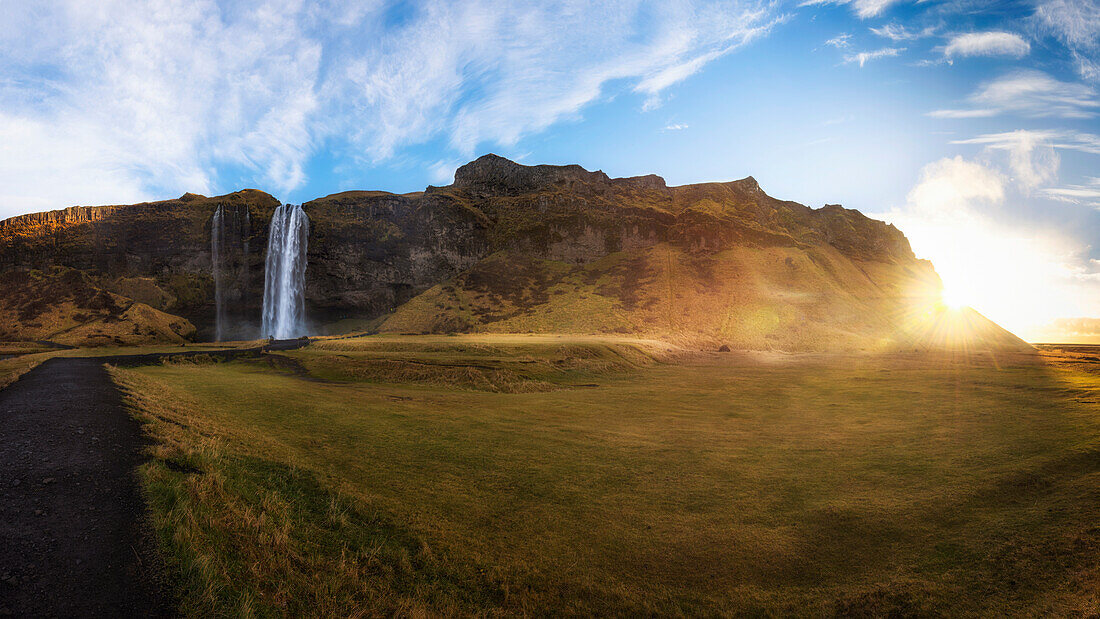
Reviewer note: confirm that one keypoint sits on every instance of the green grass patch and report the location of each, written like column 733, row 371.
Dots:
column 712, row 484
column 483, row 363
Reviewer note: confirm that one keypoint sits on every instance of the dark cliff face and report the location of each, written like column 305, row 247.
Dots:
column 491, row 175
column 371, row 252
column 567, row 213
column 163, row 247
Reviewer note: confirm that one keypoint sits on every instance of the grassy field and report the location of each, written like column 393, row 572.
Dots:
column 513, row 474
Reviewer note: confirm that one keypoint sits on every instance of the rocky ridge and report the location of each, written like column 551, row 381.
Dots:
column 515, row 247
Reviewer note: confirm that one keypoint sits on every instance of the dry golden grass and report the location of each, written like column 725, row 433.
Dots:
column 745, row 483
column 69, row 307
column 498, row 363
column 761, row 298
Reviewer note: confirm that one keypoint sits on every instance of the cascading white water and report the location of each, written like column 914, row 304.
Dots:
column 217, row 266
column 285, row 273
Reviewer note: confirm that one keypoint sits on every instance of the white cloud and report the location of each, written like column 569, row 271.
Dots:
column 839, row 41
column 862, row 8
column 865, row 57
column 1031, row 154
column 1075, row 194
column 676, row 127
column 951, row 186
column 154, row 97
column 726, row 32
column 144, row 100
column 1028, row 93
column 896, row 32
column 987, row 44
column 1034, row 160
column 1019, row 276
column 443, row 171
column 1076, row 23
column 1063, row 139
column 976, row 113
column 40, row 163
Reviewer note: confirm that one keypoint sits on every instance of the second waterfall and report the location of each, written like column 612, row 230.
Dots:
column 285, row 273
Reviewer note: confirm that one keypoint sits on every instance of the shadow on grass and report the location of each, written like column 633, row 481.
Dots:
column 248, row 535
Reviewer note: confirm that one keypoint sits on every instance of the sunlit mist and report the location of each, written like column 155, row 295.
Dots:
column 1020, row 278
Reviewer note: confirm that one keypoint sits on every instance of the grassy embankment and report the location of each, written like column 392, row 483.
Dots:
column 475, row 474
column 18, row 358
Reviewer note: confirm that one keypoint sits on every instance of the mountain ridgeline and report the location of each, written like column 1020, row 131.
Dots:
column 505, row 248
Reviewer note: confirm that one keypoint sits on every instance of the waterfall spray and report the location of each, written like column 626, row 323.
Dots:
column 285, row 273
column 217, row 266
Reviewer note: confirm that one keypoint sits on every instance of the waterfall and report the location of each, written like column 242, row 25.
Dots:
column 285, row 273
column 217, row 266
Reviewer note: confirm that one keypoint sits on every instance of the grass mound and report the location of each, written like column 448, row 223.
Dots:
column 66, row 306
column 457, row 375
column 504, row 364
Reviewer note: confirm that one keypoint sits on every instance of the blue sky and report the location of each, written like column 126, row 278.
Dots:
column 973, row 125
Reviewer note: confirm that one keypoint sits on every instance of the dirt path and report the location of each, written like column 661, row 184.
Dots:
column 74, row 541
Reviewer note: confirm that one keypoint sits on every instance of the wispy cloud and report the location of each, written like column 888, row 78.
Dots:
column 896, row 32
column 987, row 44
column 443, row 171
column 972, row 113
column 840, row 41
column 1063, row 139
column 126, row 102
column 1033, row 159
column 1031, row 154
column 1076, row 23
column 676, row 127
column 864, row 57
column 1075, row 194
column 130, row 100
column 862, row 8
column 724, row 33
column 1028, row 93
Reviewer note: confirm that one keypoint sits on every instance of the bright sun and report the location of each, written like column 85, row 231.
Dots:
column 953, row 297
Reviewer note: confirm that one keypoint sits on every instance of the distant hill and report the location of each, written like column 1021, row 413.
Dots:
column 509, row 247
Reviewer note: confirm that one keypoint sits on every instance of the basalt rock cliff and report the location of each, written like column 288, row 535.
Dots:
column 509, row 247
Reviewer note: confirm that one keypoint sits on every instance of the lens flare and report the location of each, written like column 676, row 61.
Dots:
column 954, row 297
